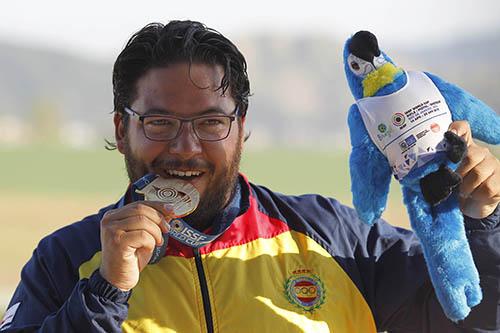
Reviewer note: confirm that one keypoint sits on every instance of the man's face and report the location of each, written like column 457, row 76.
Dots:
column 175, row 91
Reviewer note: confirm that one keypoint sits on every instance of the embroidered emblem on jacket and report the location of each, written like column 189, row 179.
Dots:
column 305, row 290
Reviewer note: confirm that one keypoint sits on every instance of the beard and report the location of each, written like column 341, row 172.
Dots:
column 218, row 193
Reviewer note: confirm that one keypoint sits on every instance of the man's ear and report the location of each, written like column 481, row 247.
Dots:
column 246, row 135
column 120, row 132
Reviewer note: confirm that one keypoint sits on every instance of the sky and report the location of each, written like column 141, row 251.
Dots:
column 99, row 28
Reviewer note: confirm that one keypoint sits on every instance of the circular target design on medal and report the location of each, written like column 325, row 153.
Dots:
column 398, row 119
column 183, row 196
column 168, row 194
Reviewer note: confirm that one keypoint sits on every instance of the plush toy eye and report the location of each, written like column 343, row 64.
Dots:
column 379, row 61
column 359, row 66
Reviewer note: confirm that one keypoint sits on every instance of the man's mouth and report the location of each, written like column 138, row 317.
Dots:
column 183, row 174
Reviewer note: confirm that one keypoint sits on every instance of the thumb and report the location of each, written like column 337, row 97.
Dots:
column 462, row 129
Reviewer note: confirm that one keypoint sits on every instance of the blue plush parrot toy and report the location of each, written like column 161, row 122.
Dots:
column 398, row 126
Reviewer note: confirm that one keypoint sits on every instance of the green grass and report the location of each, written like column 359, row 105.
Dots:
column 53, row 170
column 296, row 172
column 56, row 170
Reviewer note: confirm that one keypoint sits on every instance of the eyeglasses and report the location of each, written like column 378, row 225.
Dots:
column 165, row 128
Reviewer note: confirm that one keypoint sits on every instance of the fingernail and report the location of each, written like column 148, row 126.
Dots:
column 453, row 131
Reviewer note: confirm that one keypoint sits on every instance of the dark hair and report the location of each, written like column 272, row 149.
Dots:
column 157, row 45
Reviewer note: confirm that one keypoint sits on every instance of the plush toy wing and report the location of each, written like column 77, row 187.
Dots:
column 370, row 171
column 483, row 121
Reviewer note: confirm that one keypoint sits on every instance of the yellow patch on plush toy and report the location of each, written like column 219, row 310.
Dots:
column 379, row 78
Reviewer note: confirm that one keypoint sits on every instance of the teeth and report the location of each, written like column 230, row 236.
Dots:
column 183, row 173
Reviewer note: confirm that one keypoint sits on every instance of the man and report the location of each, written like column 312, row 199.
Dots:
column 281, row 263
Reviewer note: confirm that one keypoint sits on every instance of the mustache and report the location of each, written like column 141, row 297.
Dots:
column 191, row 164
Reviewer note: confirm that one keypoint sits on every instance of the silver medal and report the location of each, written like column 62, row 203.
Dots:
column 183, row 196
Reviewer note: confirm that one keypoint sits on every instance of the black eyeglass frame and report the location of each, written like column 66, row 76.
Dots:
column 232, row 116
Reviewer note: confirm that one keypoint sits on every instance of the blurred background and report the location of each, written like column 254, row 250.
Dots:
column 56, row 60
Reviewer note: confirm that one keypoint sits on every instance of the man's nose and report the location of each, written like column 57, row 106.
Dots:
column 186, row 144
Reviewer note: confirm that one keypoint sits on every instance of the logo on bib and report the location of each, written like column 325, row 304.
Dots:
column 398, row 119
column 305, row 290
column 382, row 128
column 408, row 142
column 435, row 127
column 383, row 131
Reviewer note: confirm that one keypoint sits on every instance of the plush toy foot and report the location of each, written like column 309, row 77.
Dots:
column 457, row 147
column 450, row 261
column 457, row 298
column 438, row 185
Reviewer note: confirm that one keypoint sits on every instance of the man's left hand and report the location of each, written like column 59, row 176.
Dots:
column 480, row 171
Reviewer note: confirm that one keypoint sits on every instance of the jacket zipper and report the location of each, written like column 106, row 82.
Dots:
column 204, row 291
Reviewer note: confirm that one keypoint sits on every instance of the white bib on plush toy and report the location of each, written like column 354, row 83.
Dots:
column 408, row 125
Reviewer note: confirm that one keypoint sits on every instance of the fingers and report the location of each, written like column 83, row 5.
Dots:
column 151, row 208
column 137, row 239
column 150, row 217
column 488, row 191
column 476, row 170
column 476, row 155
column 154, row 212
column 138, row 223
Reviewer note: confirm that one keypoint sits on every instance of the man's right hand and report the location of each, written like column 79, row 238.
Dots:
column 128, row 237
